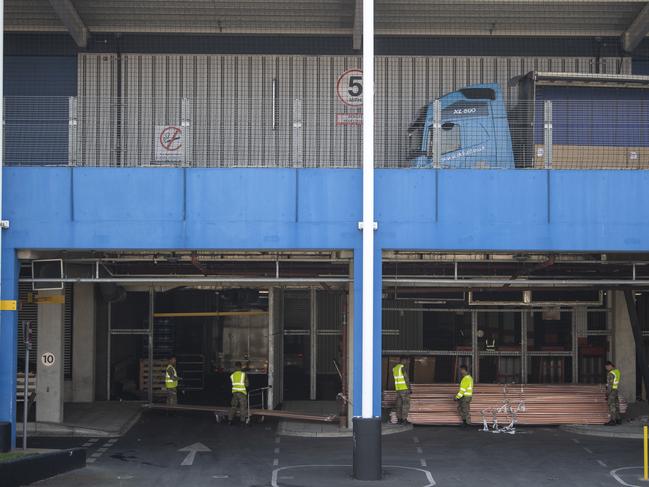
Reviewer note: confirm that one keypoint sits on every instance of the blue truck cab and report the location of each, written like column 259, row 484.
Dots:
column 472, row 127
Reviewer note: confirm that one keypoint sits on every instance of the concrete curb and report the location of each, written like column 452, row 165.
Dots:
column 55, row 429
column 283, row 431
column 609, row 433
column 30, row 469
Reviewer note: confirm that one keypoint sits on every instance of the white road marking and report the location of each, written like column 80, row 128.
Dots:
column 220, row 476
column 192, row 450
column 277, row 439
column 87, row 444
column 588, row 450
column 274, row 477
column 602, row 463
column 415, row 439
column 91, row 460
column 124, row 477
column 419, row 450
column 423, row 462
column 276, row 451
column 614, row 474
column 95, row 455
column 575, row 440
column 112, row 441
column 102, row 450
column 93, row 440
column 275, row 462
column 287, row 477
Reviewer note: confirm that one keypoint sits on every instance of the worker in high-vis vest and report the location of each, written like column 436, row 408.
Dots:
column 613, row 377
column 239, row 402
column 171, row 382
column 402, row 386
column 464, row 396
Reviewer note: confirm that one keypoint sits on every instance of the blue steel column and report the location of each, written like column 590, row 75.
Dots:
column 8, row 341
column 378, row 327
column 358, row 332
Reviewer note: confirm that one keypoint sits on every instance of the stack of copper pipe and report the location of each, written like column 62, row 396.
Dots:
column 542, row 404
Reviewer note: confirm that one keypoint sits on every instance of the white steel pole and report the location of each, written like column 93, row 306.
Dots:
column 368, row 209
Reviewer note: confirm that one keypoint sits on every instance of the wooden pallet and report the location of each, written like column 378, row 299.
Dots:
column 20, row 387
column 159, row 368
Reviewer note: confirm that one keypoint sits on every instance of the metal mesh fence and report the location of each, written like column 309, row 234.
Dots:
column 464, row 84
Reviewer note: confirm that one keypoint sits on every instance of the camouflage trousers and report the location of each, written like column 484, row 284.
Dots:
column 402, row 406
column 614, row 405
column 464, row 409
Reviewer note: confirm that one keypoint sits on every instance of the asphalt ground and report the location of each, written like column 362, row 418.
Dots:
column 152, row 454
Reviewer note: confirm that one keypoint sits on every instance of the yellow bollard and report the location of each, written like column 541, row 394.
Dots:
column 646, row 454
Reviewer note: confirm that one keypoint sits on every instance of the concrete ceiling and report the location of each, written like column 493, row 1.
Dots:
column 336, row 17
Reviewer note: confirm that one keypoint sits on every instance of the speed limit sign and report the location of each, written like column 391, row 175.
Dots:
column 349, row 87
column 48, row 359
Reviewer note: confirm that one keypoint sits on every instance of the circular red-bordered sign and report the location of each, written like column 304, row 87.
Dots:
column 171, row 138
column 349, row 87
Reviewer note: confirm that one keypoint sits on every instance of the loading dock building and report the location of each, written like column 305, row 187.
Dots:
column 245, row 246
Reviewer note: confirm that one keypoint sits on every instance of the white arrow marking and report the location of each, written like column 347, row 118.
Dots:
column 192, row 450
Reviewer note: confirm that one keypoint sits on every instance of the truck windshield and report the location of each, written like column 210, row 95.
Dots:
column 416, row 133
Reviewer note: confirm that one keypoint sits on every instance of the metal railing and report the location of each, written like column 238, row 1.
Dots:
column 562, row 133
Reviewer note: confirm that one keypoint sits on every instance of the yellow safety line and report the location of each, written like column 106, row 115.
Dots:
column 8, row 305
column 646, row 454
column 209, row 314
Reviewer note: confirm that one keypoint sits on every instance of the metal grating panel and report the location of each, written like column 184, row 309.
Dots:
column 272, row 111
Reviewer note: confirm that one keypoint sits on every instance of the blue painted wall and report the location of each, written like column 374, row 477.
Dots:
column 37, row 109
column 107, row 208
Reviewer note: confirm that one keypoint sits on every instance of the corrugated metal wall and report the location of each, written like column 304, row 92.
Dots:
column 276, row 111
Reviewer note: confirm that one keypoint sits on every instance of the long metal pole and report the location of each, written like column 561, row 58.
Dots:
column 28, row 345
column 367, row 428
column 368, row 209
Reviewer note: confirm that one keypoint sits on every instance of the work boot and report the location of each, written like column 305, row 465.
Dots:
column 610, row 423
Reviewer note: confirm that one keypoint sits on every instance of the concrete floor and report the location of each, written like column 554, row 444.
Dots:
column 153, row 451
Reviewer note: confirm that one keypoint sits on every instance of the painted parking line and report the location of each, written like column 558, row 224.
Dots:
column 91, row 460
column 275, row 475
column 220, row 476
column 588, row 450
column 419, row 450
column 617, row 472
column 602, row 463
column 423, row 462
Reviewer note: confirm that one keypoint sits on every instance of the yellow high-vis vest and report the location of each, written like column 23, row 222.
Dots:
column 616, row 379
column 171, row 377
column 466, row 387
column 238, row 380
column 399, row 378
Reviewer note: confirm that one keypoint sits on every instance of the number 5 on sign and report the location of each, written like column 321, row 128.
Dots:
column 48, row 359
column 349, row 87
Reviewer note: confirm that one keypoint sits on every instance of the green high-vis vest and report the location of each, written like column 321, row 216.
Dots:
column 466, row 387
column 171, row 377
column 238, row 380
column 616, row 379
column 399, row 378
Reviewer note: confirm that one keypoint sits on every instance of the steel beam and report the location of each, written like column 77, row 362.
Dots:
column 197, row 280
column 357, row 41
column 524, row 283
column 637, row 31
column 636, row 327
column 71, row 20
